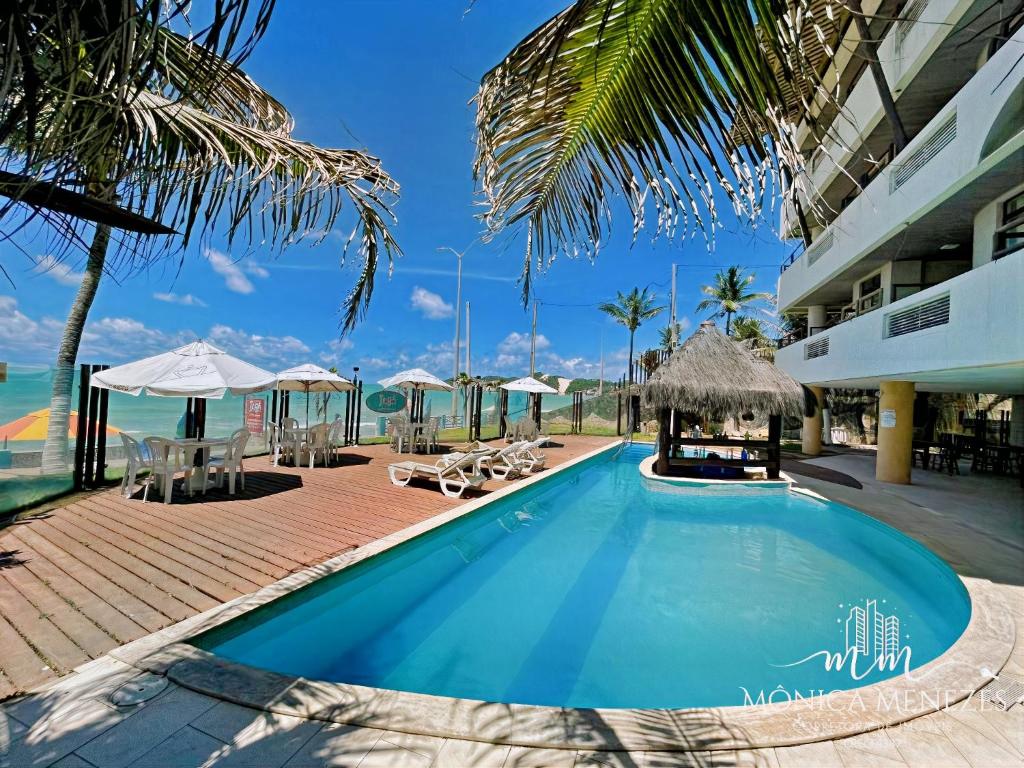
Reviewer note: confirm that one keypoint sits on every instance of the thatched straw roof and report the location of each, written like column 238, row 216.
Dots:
column 712, row 375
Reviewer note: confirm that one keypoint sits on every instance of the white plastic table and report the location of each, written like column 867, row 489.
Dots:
column 189, row 447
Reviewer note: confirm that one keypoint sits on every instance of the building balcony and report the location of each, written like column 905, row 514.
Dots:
column 970, row 152
column 960, row 335
column 914, row 46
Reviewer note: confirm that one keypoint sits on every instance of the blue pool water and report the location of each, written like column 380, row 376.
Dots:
column 588, row 589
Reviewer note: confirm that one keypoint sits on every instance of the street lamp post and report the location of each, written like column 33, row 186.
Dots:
column 458, row 306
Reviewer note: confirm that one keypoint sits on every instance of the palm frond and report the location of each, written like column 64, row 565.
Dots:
column 188, row 139
column 635, row 97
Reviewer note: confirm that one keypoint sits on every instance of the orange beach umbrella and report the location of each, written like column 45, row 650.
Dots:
column 33, row 426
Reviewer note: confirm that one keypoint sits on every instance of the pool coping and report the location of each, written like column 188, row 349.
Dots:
column 971, row 662
column 658, row 482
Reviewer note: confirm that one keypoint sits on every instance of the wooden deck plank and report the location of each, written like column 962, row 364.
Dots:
column 59, row 652
column 98, row 582
column 129, row 568
column 271, row 536
column 135, row 561
column 248, row 568
column 22, row 666
column 112, row 621
column 163, row 602
column 206, row 530
column 204, row 565
column 78, row 627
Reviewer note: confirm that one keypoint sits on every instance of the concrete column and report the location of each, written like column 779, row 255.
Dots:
column 895, row 431
column 816, row 316
column 811, row 434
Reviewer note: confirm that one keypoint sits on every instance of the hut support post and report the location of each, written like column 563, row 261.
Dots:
column 774, row 450
column 664, row 439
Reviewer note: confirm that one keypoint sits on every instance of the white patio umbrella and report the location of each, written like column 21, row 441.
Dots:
column 416, row 379
column 531, row 385
column 312, row 378
column 194, row 370
column 535, row 389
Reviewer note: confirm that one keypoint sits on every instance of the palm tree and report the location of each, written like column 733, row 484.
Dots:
column 669, row 336
column 164, row 128
column 730, row 294
column 750, row 329
column 653, row 100
column 462, row 383
column 631, row 310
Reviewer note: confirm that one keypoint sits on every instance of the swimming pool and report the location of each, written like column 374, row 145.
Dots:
column 589, row 589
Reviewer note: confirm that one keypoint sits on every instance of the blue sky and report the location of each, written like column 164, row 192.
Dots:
column 393, row 77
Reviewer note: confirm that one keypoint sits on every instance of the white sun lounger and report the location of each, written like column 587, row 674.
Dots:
column 454, row 477
column 530, row 457
column 505, row 464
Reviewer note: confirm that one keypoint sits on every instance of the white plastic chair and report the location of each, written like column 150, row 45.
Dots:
column 399, row 433
column 319, row 443
column 291, row 440
column 137, row 457
column 231, row 461
column 335, row 438
column 166, row 458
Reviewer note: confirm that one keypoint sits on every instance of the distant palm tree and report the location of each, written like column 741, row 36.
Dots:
column 730, row 294
column 632, row 310
column 462, row 383
column 669, row 336
column 750, row 329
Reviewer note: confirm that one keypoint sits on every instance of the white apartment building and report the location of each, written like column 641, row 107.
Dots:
column 913, row 279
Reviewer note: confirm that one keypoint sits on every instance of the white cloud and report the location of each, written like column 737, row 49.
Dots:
column 519, row 343
column 250, row 266
column 430, row 304
column 438, row 358
column 57, row 270
column 332, row 355
column 235, row 273
column 570, row 367
column 121, row 338
column 23, row 335
column 116, row 339
column 276, row 351
column 186, row 299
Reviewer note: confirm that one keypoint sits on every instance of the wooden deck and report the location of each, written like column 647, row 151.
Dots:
column 101, row 570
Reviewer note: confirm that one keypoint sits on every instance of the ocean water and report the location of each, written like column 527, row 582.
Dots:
column 592, row 590
column 27, row 389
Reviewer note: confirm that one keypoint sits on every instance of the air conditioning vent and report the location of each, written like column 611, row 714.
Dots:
column 926, row 315
column 904, row 171
column 820, row 247
column 816, row 347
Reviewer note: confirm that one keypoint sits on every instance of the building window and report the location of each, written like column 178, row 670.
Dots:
column 1010, row 234
column 870, row 294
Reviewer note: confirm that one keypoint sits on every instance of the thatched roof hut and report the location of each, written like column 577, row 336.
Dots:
column 712, row 375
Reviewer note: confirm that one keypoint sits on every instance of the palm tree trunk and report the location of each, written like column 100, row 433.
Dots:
column 631, row 360
column 892, row 115
column 728, row 322
column 55, row 450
